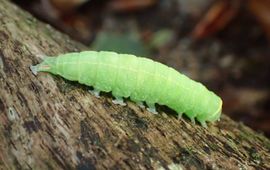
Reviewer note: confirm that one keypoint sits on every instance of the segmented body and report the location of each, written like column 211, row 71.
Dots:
column 139, row 78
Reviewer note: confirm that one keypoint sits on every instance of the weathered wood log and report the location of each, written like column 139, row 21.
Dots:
column 47, row 122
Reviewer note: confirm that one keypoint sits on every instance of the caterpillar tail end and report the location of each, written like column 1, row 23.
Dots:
column 47, row 65
column 40, row 67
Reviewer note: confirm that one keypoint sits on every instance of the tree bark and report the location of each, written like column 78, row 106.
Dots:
column 47, row 122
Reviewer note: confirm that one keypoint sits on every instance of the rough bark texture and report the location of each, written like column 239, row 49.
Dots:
column 47, row 122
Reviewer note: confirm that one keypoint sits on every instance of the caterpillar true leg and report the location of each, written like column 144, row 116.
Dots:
column 95, row 92
column 180, row 115
column 203, row 124
column 119, row 100
column 151, row 108
column 192, row 120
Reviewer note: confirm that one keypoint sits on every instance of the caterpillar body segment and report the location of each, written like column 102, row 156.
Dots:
column 139, row 78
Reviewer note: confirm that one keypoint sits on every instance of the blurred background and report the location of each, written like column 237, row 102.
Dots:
column 222, row 43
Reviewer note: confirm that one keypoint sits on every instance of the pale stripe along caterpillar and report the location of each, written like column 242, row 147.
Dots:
column 139, row 78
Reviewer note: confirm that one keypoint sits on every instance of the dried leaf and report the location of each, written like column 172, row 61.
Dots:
column 65, row 6
column 216, row 18
column 129, row 5
column 261, row 9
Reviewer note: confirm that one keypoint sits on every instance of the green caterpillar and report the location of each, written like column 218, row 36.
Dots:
column 139, row 78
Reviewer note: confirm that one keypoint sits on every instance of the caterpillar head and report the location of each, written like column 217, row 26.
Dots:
column 213, row 115
column 216, row 116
